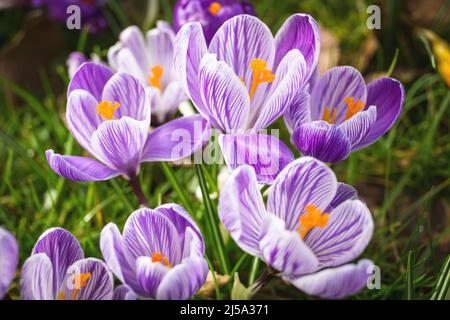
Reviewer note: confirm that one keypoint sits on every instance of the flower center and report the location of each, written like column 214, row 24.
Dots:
column 79, row 281
column 215, row 8
column 155, row 79
column 312, row 218
column 106, row 109
column 260, row 75
column 329, row 115
column 158, row 257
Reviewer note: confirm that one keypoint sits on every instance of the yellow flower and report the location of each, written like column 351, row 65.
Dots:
column 441, row 50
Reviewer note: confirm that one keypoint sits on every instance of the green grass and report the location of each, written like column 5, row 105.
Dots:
column 404, row 177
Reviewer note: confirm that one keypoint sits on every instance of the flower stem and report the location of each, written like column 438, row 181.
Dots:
column 254, row 270
column 262, row 281
column 212, row 220
column 167, row 170
column 135, row 184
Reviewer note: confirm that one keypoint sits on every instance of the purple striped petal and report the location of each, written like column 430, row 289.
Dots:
column 74, row 61
column 169, row 102
column 119, row 143
column 299, row 112
column 387, row 95
column 160, row 48
column 240, row 40
column 241, row 209
column 290, row 79
column 9, row 258
column 183, row 222
column 147, row 232
column 36, row 280
column 267, row 154
column 194, row 245
column 112, row 248
column 124, row 292
column 305, row 181
column 357, row 127
column 225, row 97
column 123, row 60
column 80, row 169
column 99, row 285
column 336, row 283
column 82, row 117
column 150, row 274
column 177, row 139
column 333, row 87
column 344, row 192
column 62, row 248
column 321, row 140
column 284, row 250
column 346, row 235
column 91, row 77
column 184, row 280
column 128, row 91
column 300, row 32
column 190, row 47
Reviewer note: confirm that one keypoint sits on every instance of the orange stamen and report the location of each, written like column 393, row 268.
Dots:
column 329, row 116
column 158, row 257
column 311, row 219
column 155, row 80
column 260, row 75
column 106, row 109
column 215, row 8
column 352, row 107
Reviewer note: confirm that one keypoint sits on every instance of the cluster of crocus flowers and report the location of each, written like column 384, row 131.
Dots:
column 159, row 255
column 245, row 80
column 150, row 60
column 211, row 14
column 342, row 114
column 57, row 270
column 9, row 258
column 109, row 115
column 90, row 10
column 310, row 229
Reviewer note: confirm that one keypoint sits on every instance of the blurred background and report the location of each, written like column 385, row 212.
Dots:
column 404, row 177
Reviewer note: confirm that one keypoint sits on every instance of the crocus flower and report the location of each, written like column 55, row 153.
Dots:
column 159, row 255
column 109, row 115
column 57, row 270
column 91, row 11
column 150, row 60
column 74, row 61
column 9, row 257
column 211, row 14
column 245, row 80
column 341, row 114
column 311, row 227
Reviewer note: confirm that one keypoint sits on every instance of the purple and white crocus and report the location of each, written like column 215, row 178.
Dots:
column 310, row 229
column 211, row 14
column 109, row 115
column 150, row 60
column 245, row 80
column 342, row 114
column 9, row 258
column 159, row 255
column 57, row 270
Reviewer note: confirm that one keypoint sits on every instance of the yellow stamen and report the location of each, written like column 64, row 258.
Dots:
column 106, row 109
column 329, row 116
column 215, row 8
column 158, row 257
column 79, row 281
column 312, row 218
column 155, row 79
column 352, row 107
column 260, row 75
column 242, row 80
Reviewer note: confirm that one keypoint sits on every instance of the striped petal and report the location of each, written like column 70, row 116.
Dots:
column 82, row 169
column 305, row 181
column 184, row 280
column 9, row 258
column 336, row 283
column 90, row 77
column 241, row 209
column 150, row 274
column 284, row 250
column 346, row 235
column 63, row 250
column 321, row 140
column 36, row 280
column 226, row 99
column 360, row 125
column 299, row 112
column 124, row 292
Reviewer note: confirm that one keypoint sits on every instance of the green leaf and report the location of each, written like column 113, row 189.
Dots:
column 442, row 289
